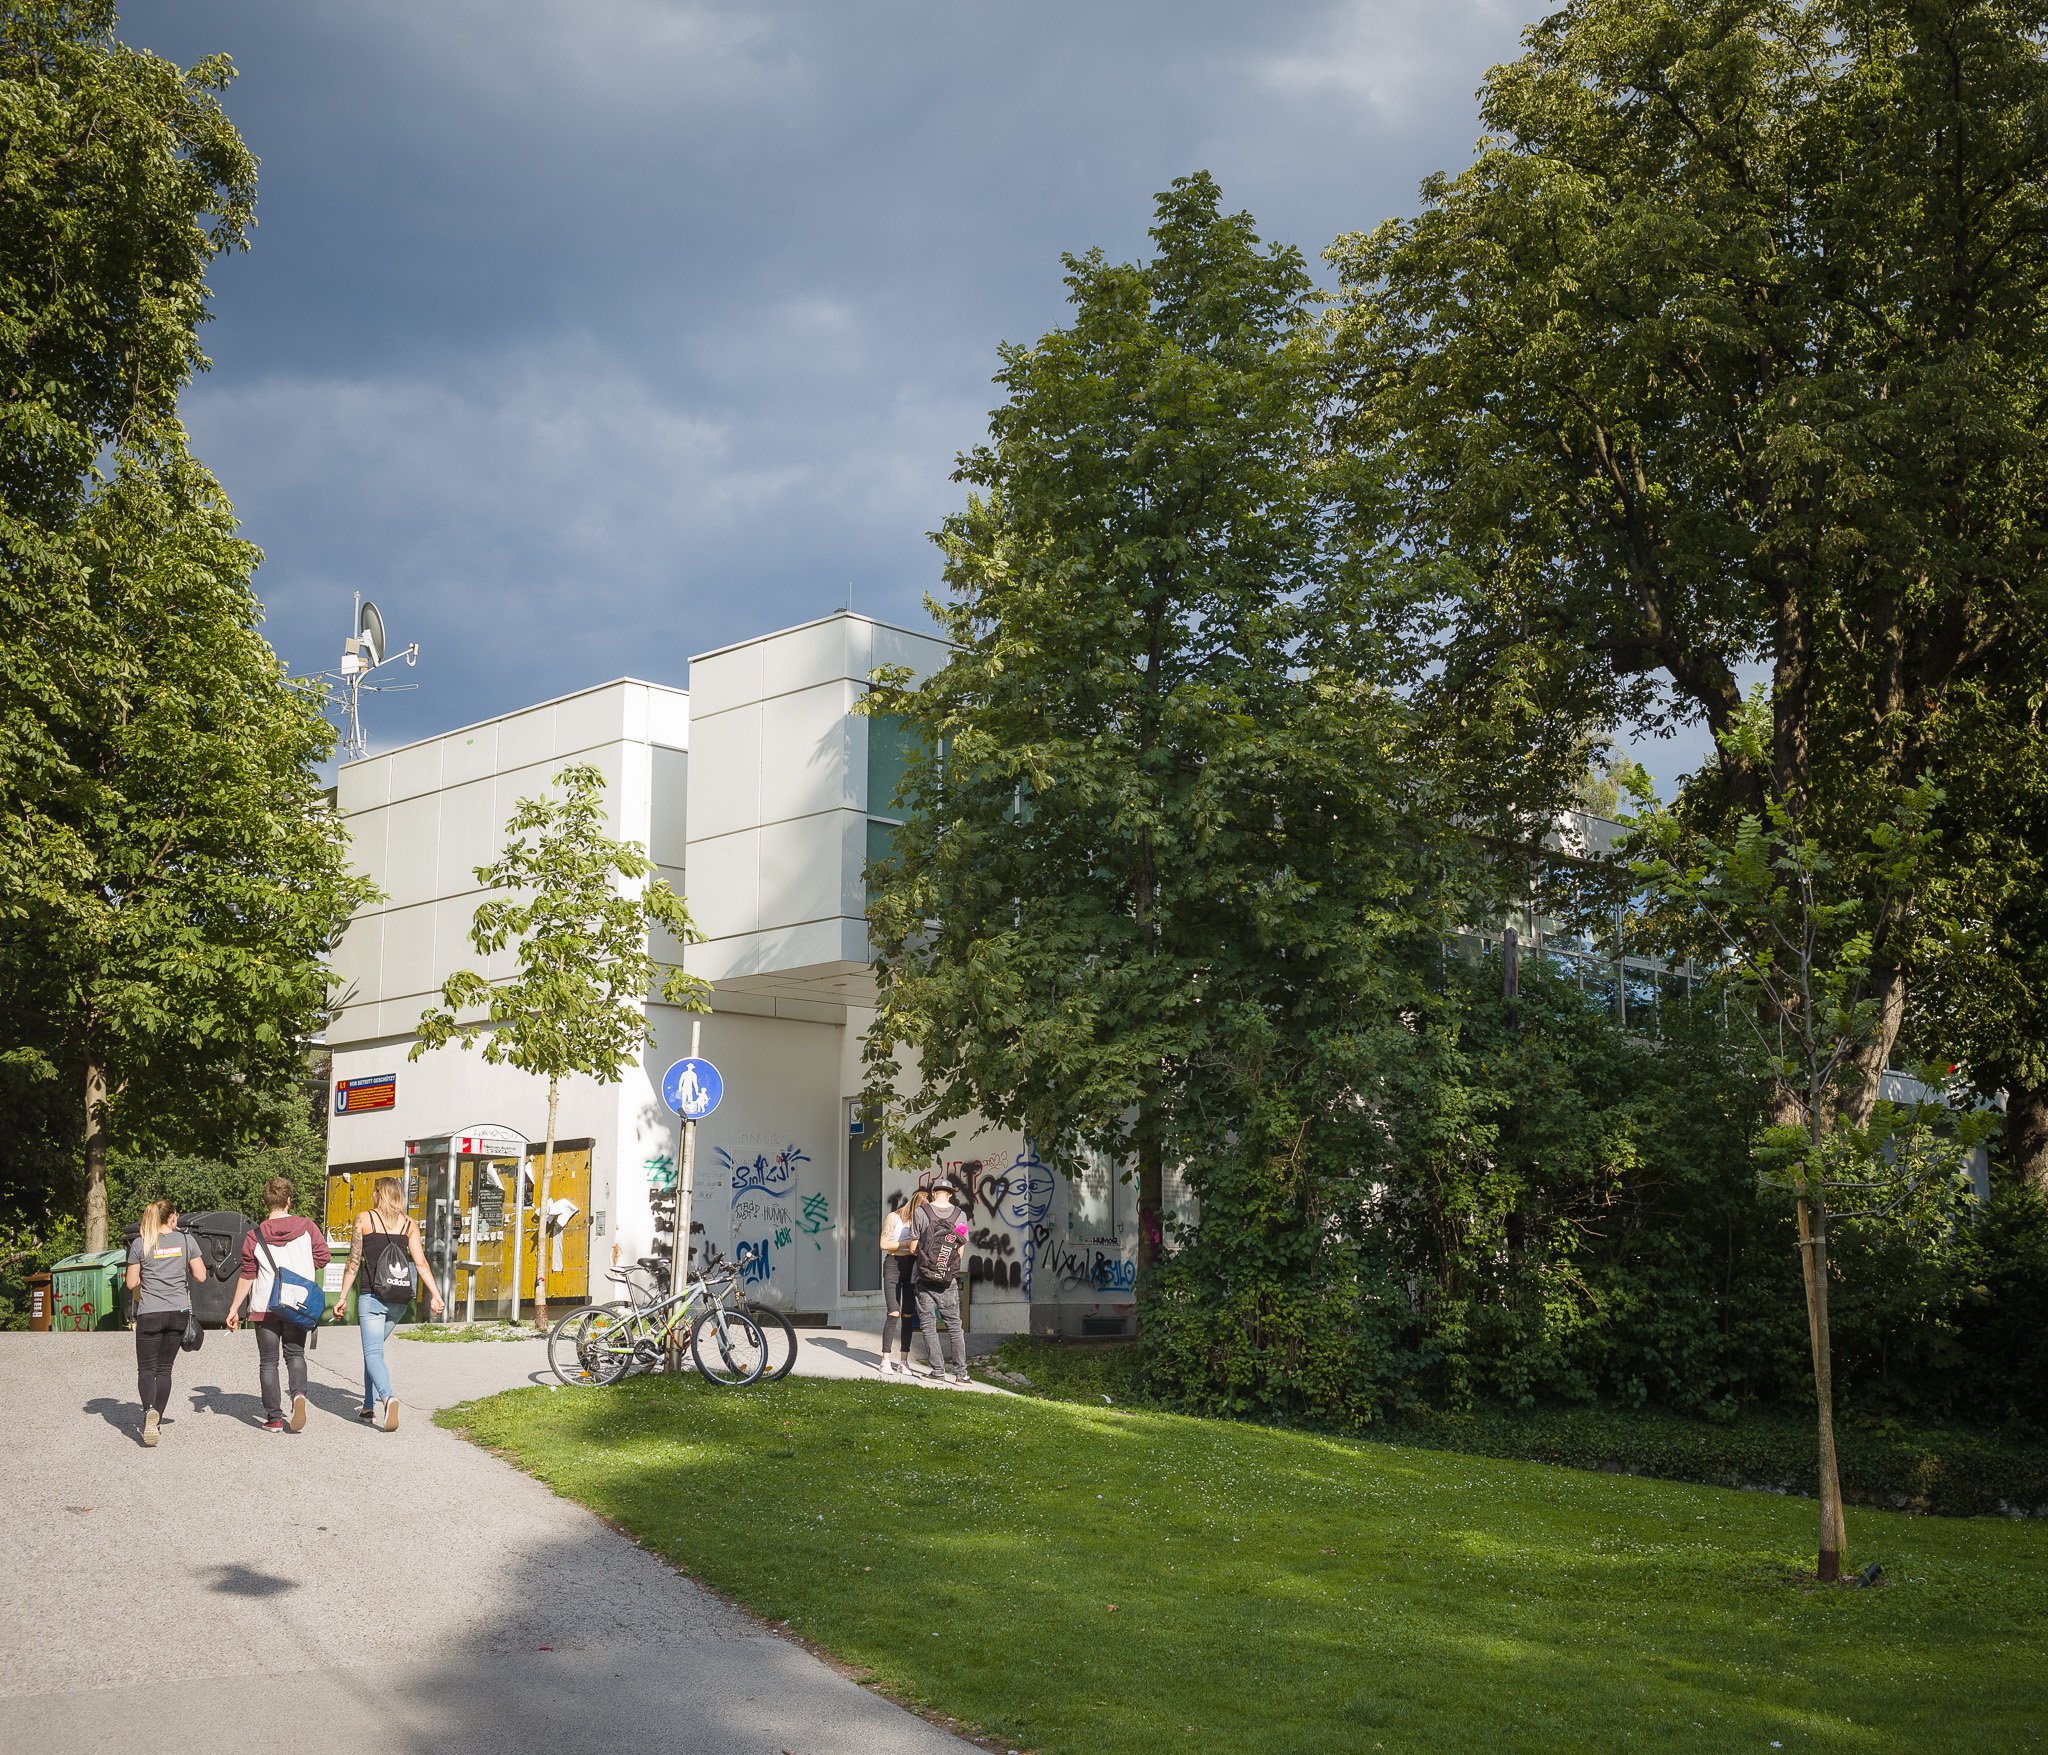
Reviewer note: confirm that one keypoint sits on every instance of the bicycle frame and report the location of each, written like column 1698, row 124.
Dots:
column 654, row 1327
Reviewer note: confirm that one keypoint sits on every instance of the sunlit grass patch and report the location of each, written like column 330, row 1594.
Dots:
column 1103, row 1579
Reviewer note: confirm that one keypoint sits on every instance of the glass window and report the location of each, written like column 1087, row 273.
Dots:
column 864, row 1207
column 1642, row 1000
column 890, row 743
column 881, row 843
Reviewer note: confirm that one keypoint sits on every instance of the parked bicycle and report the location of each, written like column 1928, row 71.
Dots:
column 645, row 1284
column 602, row 1343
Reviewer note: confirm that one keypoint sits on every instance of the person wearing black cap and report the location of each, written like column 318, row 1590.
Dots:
column 941, row 1229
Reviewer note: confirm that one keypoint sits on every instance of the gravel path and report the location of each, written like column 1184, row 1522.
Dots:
column 354, row 1589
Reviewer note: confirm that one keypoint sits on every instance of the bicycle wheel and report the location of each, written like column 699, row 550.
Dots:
column 612, row 1348
column 728, row 1347
column 780, row 1335
column 568, row 1341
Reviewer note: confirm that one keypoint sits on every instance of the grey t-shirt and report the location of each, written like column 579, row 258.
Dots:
column 166, row 1281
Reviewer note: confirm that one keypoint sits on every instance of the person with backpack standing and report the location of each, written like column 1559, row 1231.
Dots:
column 392, row 1260
column 162, row 1264
column 941, row 1230
column 281, row 1261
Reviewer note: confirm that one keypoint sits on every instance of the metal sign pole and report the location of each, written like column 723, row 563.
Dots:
column 686, row 1179
column 518, row 1230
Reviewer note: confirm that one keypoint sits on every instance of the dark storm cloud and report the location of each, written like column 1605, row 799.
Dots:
column 586, row 335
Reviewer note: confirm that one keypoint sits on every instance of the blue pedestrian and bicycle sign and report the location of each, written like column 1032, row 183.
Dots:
column 692, row 1088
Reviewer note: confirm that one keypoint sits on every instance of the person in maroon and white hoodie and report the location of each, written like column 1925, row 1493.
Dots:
column 274, row 1333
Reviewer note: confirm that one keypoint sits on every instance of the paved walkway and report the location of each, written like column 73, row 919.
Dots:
column 350, row 1589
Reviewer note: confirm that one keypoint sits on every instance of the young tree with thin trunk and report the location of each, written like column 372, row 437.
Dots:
column 1796, row 943
column 577, row 908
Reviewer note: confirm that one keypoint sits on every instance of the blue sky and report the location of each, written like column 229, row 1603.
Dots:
column 587, row 334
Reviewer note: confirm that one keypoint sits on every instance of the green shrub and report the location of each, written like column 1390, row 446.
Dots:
column 24, row 1252
column 1953, row 1471
column 1899, row 1467
column 1322, row 1354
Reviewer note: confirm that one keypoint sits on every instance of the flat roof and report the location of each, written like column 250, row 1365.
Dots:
column 818, row 621
column 515, row 713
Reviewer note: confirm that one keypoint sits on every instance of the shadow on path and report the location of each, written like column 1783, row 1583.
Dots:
column 236, row 1580
column 858, row 1355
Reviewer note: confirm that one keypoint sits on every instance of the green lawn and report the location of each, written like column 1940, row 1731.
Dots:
column 1083, row 1579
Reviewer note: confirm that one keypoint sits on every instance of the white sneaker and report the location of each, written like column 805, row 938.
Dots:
column 885, row 1368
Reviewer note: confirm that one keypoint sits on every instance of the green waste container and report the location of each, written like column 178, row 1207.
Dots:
column 330, row 1281
column 86, row 1291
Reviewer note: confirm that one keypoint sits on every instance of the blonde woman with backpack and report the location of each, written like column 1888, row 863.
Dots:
column 392, row 1260
column 162, row 1264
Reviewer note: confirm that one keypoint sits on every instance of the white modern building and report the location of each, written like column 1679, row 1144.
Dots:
column 760, row 793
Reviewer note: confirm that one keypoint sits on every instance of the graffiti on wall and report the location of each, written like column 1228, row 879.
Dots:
column 774, row 1176
column 766, row 1214
column 815, row 1219
column 1016, row 1245
column 1085, row 1267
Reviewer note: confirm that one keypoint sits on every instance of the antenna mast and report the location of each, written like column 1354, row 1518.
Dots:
column 362, row 655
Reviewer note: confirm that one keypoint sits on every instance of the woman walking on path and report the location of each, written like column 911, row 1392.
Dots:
column 162, row 1263
column 274, row 1243
column 391, row 1258
column 899, row 1280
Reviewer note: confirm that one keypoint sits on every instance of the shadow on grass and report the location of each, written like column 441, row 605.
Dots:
column 1109, row 1579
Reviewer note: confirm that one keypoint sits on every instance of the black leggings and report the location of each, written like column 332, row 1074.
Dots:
column 156, row 1350
column 899, row 1301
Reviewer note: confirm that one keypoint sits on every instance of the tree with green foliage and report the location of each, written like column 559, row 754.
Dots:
column 1981, row 996
column 121, row 180
column 169, row 944
column 577, row 909
column 1139, row 783
column 170, row 875
column 288, row 1138
column 1725, row 351
column 1796, row 941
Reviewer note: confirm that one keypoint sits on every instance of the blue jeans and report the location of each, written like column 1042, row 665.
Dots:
column 377, row 1319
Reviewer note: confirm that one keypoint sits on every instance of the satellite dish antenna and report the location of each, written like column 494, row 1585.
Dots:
column 370, row 631
column 362, row 655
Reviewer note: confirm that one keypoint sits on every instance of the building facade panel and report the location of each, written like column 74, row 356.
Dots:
column 765, row 827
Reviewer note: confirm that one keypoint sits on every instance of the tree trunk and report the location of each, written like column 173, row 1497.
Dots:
column 95, row 1156
column 1151, row 1196
column 1888, row 989
column 540, row 1229
column 1813, row 1257
column 2026, row 1135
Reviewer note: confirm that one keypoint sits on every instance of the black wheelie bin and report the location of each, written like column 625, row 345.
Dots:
column 220, row 1245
